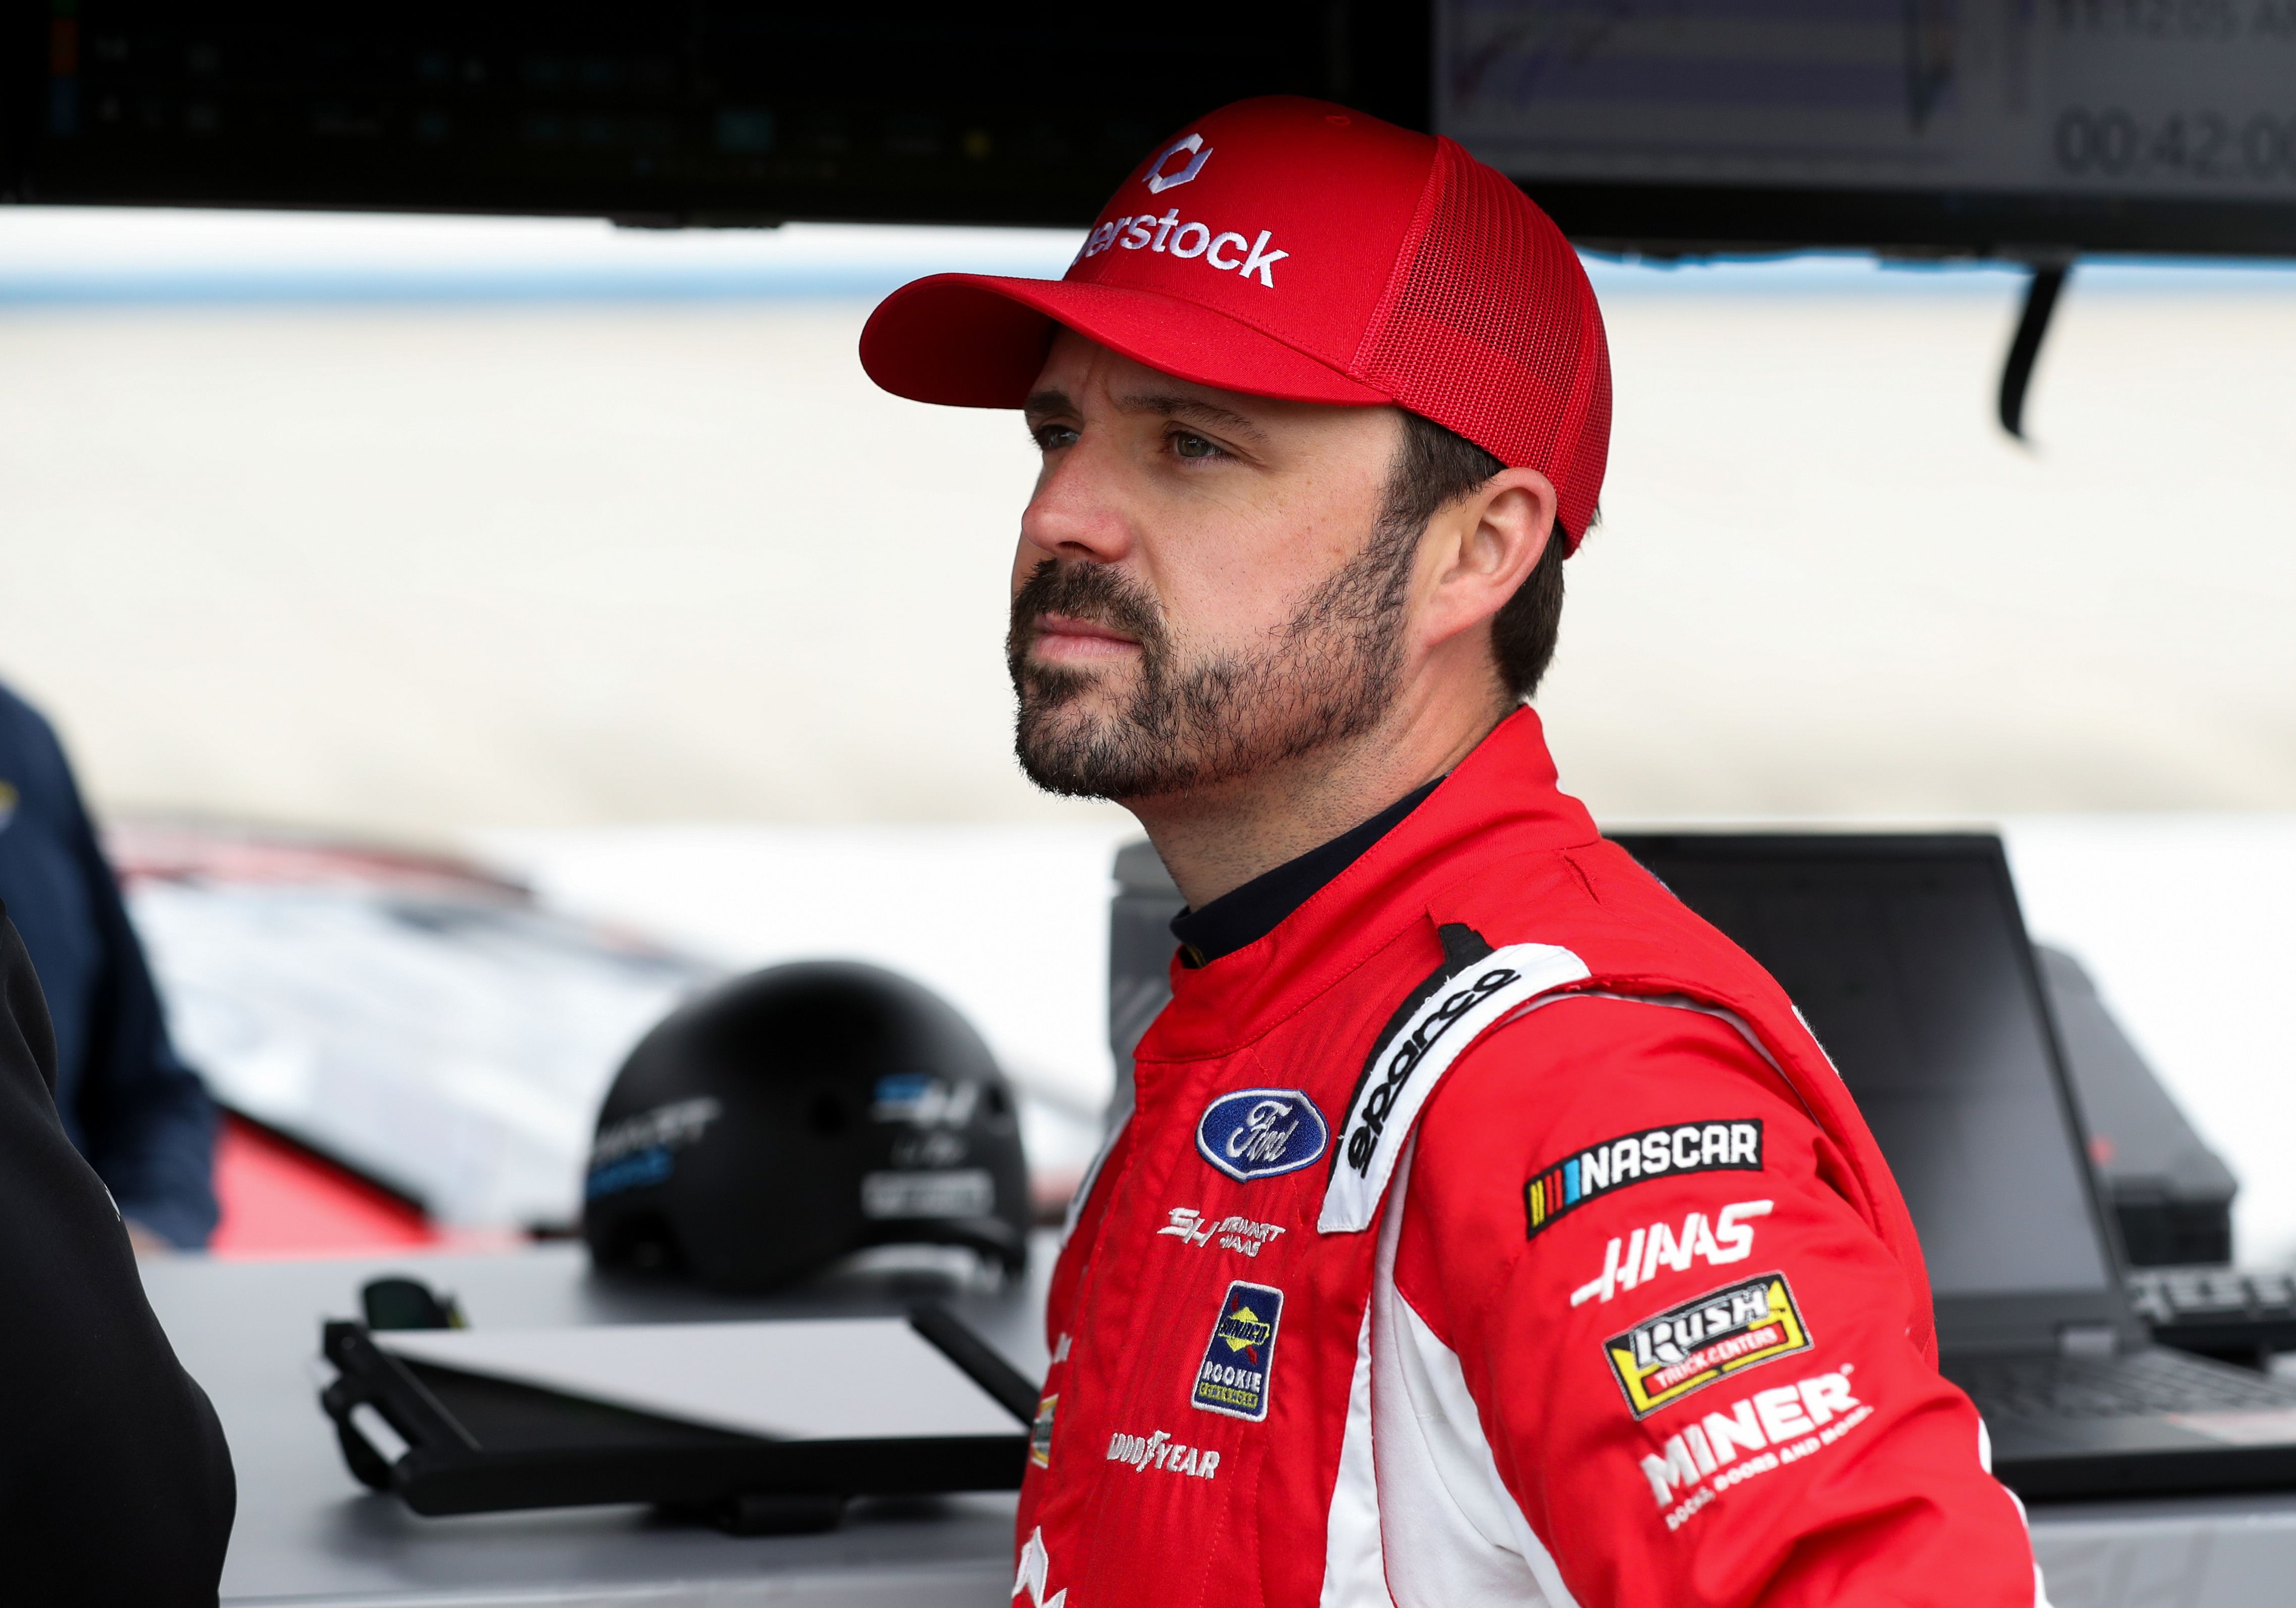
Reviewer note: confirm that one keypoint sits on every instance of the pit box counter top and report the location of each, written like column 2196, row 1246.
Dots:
column 309, row 1534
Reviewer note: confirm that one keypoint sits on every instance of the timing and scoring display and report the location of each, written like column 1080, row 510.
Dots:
column 2150, row 99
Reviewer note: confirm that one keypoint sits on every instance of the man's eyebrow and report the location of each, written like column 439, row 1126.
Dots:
column 1210, row 414
column 1048, row 402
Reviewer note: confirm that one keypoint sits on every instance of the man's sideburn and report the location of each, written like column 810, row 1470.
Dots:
column 1327, row 675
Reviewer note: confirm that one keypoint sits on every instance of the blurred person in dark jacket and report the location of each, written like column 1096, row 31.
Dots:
column 115, row 1481
column 126, row 1101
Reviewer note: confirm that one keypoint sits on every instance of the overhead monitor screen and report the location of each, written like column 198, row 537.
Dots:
column 682, row 110
column 2017, row 127
column 2123, row 117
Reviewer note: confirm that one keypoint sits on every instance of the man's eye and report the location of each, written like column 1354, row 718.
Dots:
column 1188, row 445
column 1052, row 438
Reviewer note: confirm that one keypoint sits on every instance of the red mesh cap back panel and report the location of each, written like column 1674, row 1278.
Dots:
column 1490, row 328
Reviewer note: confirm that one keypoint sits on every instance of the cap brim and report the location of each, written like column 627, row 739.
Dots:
column 976, row 340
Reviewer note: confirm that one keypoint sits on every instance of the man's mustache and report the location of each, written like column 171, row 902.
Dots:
column 1087, row 592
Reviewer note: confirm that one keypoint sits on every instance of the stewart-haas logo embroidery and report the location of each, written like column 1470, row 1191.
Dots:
column 1477, row 989
column 1685, row 1349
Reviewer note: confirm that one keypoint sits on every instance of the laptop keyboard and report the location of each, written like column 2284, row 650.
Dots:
column 2141, row 1384
column 2168, row 1295
column 2240, row 1316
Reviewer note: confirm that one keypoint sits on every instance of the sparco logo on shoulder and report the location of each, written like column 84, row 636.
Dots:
column 1404, row 1057
column 1259, row 1133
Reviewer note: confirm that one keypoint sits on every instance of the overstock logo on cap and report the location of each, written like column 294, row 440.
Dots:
column 1159, row 181
column 1147, row 232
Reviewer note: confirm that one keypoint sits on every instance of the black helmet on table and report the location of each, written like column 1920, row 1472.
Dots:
column 786, row 1118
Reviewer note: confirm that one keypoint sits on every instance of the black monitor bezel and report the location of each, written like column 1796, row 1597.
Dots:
column 1704, row 220
column 1379, row 57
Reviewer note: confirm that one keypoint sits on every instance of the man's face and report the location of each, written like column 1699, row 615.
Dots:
column 1203, row 587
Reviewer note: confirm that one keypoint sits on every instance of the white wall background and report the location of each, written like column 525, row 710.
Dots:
column 411, row 526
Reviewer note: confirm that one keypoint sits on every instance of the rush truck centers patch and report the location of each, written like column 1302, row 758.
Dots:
column 1241, row 1354
column 1637, row 1158
column 1685, row 1349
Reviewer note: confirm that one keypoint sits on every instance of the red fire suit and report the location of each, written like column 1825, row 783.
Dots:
column 1494, row 1232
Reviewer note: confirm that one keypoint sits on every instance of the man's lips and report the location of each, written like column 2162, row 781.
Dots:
column 1066, row 639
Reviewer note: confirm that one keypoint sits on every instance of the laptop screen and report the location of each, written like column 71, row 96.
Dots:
column 1909, row 959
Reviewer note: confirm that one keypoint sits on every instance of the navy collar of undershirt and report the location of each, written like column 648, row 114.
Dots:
column 1244, row 915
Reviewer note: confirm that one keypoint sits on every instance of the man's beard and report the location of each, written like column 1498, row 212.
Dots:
column 1328, row 675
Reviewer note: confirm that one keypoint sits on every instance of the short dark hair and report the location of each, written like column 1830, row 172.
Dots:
column 1436, row 468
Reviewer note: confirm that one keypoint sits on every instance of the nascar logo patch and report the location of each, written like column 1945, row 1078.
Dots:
column 1241, row 1354
column 1637, row 1158
column 1685, row 1349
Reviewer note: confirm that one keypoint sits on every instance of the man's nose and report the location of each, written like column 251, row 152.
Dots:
column 1075, row 512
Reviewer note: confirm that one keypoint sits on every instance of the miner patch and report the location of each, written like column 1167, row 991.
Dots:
column 1637, row 1158
column 1685, row 1349
column 1241, row 1354
column 1040, row 1432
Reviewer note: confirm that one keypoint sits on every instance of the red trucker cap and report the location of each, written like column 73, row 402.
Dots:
column 1284, row 247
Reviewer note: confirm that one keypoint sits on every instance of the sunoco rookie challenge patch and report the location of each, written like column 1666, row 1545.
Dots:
column 1685, row 1349
column 1241, row 1354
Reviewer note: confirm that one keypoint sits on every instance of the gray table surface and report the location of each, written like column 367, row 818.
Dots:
column 309, row 1533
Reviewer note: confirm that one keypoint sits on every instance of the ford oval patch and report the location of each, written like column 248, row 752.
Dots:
column 1260, row 1133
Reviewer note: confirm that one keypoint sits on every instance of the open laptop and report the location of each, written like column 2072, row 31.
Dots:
column 1908, row 956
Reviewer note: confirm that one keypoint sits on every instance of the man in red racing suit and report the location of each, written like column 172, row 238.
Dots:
column 1488, row 1229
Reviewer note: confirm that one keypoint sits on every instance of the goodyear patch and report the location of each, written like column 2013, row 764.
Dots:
column 1685, row 1349
column 1240, row 1355
column 1637, row 1158
column 1040, row 1433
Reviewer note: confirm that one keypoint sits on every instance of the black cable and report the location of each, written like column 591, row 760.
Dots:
column 2041, row 293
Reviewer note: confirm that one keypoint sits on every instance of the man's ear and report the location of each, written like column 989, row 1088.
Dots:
column 1480, row 549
